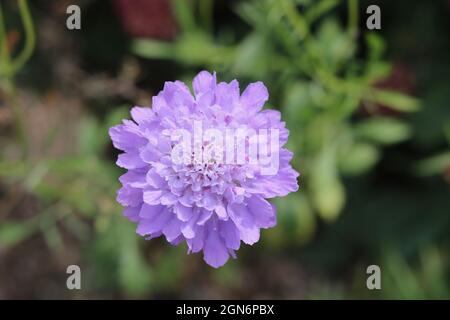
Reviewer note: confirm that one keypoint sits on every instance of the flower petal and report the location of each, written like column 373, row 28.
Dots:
column 215, row 252
column 130, row 161
column 203, row 82
column 132, row 213
column 189, row 228
column 150, row 212
column 183, row 213
column 243, row 219
column 128, row 196
column 230, row 233
column 172, row 230
column 149, row 226
column 126, row 137
column 168, row 198
column 141, row 115
column 263, row 212
column 283, row 183
column 152, row 197
column 254, row 96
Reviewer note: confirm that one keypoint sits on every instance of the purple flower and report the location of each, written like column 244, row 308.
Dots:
column 213, row 203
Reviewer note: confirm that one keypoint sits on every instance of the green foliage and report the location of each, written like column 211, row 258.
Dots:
column 315, row 79
column 383, row 130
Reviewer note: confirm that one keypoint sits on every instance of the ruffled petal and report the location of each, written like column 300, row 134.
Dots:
column 130, row 161
column 152, row 197
column 142, row 115
column 230, row 233
column 157, row 224
column 254, row 97
column 126, row 137
column 203, row 82
column 245, row 223
column 215, row 252
column 172, row 229
column 262, row 211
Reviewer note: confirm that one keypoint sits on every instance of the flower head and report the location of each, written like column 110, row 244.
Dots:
column 200, row 167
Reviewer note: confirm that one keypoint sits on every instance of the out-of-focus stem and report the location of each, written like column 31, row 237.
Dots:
column 4, row 54
column 297, row 21
column 9, row 68
column 206, row 13
column 353, row 17
column 12, row 100
column 30, row 37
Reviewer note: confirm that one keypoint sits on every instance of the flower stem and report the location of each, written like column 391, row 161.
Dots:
column 30, row 37
column 13, row 101
column 4, row 53
column 353, row 17
column 296, row 20
column 9, row 67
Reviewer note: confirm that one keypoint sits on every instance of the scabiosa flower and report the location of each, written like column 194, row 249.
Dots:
column 211, row 204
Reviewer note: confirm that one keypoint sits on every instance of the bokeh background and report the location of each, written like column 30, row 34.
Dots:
column 368, row 112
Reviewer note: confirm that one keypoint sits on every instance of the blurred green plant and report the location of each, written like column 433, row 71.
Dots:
column 9, row 66
column 317, row 78
column 72, row 190
column 437, row 164
column 415, row 279
column 75, row 192
column 426, row 280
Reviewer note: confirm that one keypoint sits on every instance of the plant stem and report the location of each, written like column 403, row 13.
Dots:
column 9, row 68
column 353, row 17
column 295, row 19
column 4, row 54
column 206, row 13
column 30, row 37
column 13, row 101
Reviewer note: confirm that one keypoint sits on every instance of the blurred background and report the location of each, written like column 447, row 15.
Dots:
column 368, row 113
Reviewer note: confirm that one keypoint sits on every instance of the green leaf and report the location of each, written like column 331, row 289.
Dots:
column 304, row 218
column 115, row 117
column 12, row 233
column 16, row 169
column 198, row 49
column 296, row 220
column 167, row 268
column 383, row 130
column 328, row 193
column 319, row 8
column 134, row 272
column 334, row 47
column 376, row 46
column 434, row 272
column 152, row 49
column 184, row 14
column 358, row 158
column 377, row 70
column 434, row 165
column 395, row 100
column 252, row 56
column 447, row 131
column 91, row 140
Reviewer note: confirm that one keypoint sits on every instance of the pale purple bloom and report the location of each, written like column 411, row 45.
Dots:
column 213, row 207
